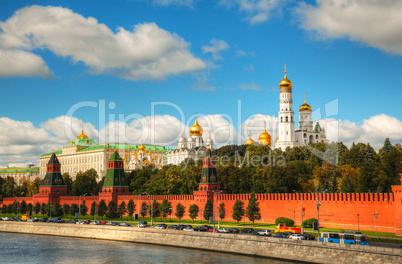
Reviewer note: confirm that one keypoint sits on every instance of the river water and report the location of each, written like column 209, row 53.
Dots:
column 20, row 248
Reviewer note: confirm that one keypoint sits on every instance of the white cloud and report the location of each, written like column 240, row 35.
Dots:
column 250, row 86
column 257, row 11
column 249, row 68
column 147, row 52
column 255, row 126
column 373, row 130
column 377, row 23
column 22, row 63
column 201, row 82
column 216, row 47
column 188, row 3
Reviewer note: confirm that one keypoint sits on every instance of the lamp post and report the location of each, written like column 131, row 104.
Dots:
column 375, row 221
column 170, row 214
column 79, row 207
column 152, row 211
column 318, row 215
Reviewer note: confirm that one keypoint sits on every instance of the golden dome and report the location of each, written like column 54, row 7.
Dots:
column 305, row 106
column 82, row 135
column 265, row 138
column 276, row 141
column 141, row 148
column 285, row 85
column 196, row 129
column 149, row 153
column 249, row 141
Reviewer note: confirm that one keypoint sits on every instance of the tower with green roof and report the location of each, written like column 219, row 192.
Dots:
column 115, row 180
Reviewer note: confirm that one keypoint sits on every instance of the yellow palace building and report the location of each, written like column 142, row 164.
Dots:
column 82, row 154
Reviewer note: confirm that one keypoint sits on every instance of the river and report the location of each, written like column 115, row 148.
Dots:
column 21, row 248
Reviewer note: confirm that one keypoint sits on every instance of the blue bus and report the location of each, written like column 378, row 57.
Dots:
column 355, row 238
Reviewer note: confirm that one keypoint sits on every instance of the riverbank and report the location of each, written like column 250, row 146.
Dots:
column 306, row 251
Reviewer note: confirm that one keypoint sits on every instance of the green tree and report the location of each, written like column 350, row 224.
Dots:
column 74, row 209
column 57, row 210
column 122, row 209
column 193, row 211
column 131, row 208
column 165, row 208
column 144, row 210
column 84, row 208
column 4, row 209
column 155, row 206
column 93, row 208
column 180, row 212
column 102, row 208
column 238, row 211
column 43, row 209
column 66, row 209
column 222, row 212
column 23, row 207
column 253, row 210
column 208, row 210
column 112, row 210
column 37, row 208
column 85, row 182
column 68, row 181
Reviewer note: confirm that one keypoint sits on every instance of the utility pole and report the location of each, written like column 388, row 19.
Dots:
column 318, row 215
column 375, row 221
column 302, row 212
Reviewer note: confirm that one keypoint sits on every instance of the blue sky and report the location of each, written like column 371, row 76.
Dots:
column 209, row 55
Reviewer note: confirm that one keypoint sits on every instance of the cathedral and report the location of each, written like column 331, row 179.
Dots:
column 193, row 147
column 307, row 132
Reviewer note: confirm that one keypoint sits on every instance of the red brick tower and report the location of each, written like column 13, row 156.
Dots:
column 209, row 184
column 115, row 181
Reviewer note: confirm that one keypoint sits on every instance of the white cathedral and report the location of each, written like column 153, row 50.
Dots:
column 193, row 147
column 307, row 132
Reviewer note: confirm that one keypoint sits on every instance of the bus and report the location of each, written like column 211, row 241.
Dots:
column 355, row 238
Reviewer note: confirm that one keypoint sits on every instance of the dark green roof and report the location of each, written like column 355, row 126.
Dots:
column 115, row 157
column 317, row 127
column 53, row 178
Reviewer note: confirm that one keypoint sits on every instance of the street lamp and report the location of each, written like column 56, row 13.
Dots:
column 79, row 207
column 358, row 223
column 318, row 215
column 375, row 221
column 170, row 213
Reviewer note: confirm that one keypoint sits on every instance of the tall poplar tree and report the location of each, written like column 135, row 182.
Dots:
column 253, row 210
column 238, row 211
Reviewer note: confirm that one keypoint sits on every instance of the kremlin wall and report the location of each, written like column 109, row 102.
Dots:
column 344, row 211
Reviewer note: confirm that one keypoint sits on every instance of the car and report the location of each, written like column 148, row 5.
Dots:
column 115, row 224
column 6, row 219
column 79, row 223
column 36, row 219
column 309, row 237
column 43, row 220
column 174, row 227
column 234, row 230
column 197, row 229
column 206, row 228
column 181, row 227
column 223, row 230
column 188, row 229
column 87, row 222
column 30, row 220
column 287, row 234
column 279, row 235
column 143, row 224
column 57, row 220
column 96, row 222
column 263, row 232
column 161, row 226
column 72, row 221
column 125, row 224
column 103, row 222
column 247, row 230
column 296, row 237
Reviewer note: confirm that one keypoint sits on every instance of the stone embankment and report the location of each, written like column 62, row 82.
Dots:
column 299, row 250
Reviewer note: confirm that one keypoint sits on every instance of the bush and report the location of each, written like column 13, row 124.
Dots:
column 309, row 222
column 284, row 220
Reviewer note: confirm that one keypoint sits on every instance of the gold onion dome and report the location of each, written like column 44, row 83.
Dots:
column 277, row 140
column 265, row 138
column 285, row 85
column 305, row 106
column 82, row 135
column 249, row 140
column 141, row 148
column 196, row 129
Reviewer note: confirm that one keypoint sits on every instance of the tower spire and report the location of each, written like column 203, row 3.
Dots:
column 285, row 70
column 305, row 101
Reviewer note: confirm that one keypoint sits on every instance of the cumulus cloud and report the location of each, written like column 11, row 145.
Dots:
column 376, row 23
column 147, row 52
column 201, row 82
column 254, row 126
column 250, row 86
column 249, row 68
column 216, row 47
column 256, row 11
column 22, row 63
